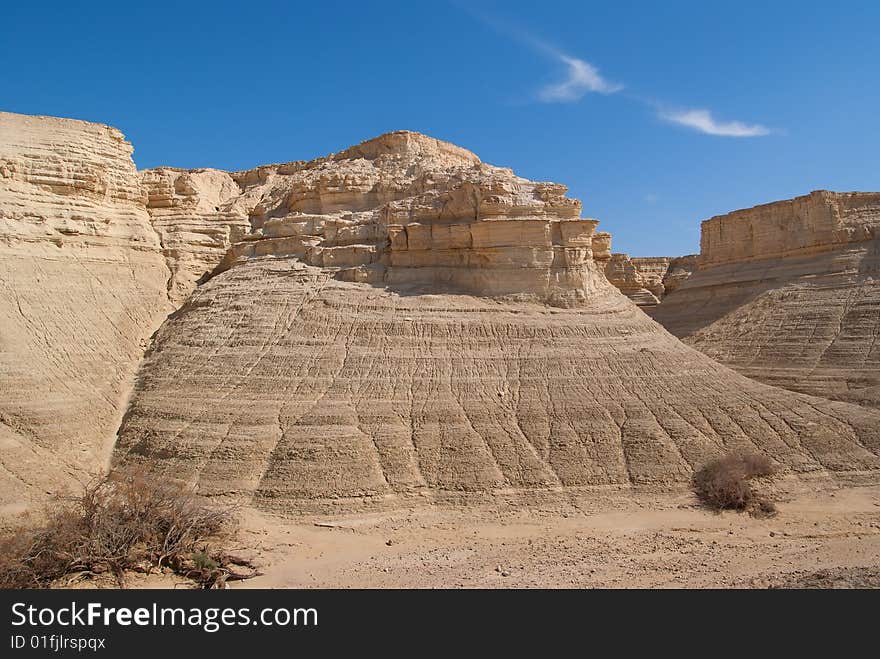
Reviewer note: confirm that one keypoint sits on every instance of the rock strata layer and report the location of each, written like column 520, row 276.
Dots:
column 646, row 280
column 198, row 215
column 82, row 287
column 397, row 319
column 406, row 320
column 789, row 293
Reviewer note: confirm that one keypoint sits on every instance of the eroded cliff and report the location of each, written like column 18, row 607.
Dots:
column 646, row 280
column 397, row 319
column 406, row 320
column 789, row 293
column 82, row 287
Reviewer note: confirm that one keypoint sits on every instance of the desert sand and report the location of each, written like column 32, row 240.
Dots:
column 826, row 535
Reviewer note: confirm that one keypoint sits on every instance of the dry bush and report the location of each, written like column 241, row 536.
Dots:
column 125, row 521
column 724, row 483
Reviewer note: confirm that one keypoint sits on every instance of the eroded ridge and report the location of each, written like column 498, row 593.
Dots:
column 82, row 287
column 406, row 320
column 789, row 293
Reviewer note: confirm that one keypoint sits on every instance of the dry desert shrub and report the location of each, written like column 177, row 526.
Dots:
column 126, row 521
column 723, row 484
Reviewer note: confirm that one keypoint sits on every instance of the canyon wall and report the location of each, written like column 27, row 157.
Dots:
column 82, row 288
column 816, row 223
column 789, row 293
column 407, row 323
column 197, row 215
column 392, row 323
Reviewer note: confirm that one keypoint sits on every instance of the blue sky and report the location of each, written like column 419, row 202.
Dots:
column 656, row 115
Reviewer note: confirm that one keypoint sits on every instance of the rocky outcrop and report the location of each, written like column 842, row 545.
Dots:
column 405, row 320
column 198, row 215
column 82, row 287
column 398, row 319
column 647, row 279
column 679, row 271
column 420, row 215
column 816, row 223
column 789, row 293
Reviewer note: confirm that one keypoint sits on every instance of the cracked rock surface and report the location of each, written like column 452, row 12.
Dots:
column 82, row 288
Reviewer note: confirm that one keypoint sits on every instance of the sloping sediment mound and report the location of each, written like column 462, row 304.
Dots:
column 405, row 319
column 789, row 293
column 82, row 287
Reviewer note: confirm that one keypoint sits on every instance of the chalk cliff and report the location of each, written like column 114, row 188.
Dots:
column 405, row 320
column 646, row 280
column 789, row 293
column 82, row 287
column 397, row 319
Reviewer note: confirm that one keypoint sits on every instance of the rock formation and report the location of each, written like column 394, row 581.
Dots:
column 789, row 293
column 198, row 216
column 679, row 271
column 82, row 287
column 646, row 280
column 404, row 319
column 392, row 320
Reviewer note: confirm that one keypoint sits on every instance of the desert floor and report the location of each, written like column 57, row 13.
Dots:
column 824, row 535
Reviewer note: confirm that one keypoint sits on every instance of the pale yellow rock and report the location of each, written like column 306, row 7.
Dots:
column 602, row 248
column 408, row 210
column 405, row 320
column 646, row 279
column 82, row 287
column 397, row 319
column 821, row 221
column 789, row 293
column 198, row 216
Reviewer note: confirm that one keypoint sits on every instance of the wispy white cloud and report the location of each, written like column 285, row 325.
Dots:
column 582, row 78
column 704, row 122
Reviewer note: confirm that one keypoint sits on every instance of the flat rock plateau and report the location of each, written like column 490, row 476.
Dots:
column 399, row 325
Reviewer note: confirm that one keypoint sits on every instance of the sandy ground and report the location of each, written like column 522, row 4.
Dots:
column 822, row 537
column 829, row 538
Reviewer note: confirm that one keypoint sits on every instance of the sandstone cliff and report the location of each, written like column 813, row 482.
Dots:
column 396, row 319
column 788, row 293
column 82, row 287
column 404, row 319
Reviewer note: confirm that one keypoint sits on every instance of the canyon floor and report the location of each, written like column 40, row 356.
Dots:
column 825, row 538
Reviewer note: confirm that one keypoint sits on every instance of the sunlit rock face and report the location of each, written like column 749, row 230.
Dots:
column 82, row 288
column 409, row 211
column 789, row 293
column 646, row 280
column 197, row 216
column 403, row 320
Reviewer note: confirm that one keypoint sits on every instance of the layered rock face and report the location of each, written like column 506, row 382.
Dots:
column 82, row 287
column 198, row 215
column 647, row 279
column 409, row 211
column 406, row 320
column 789, row 293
